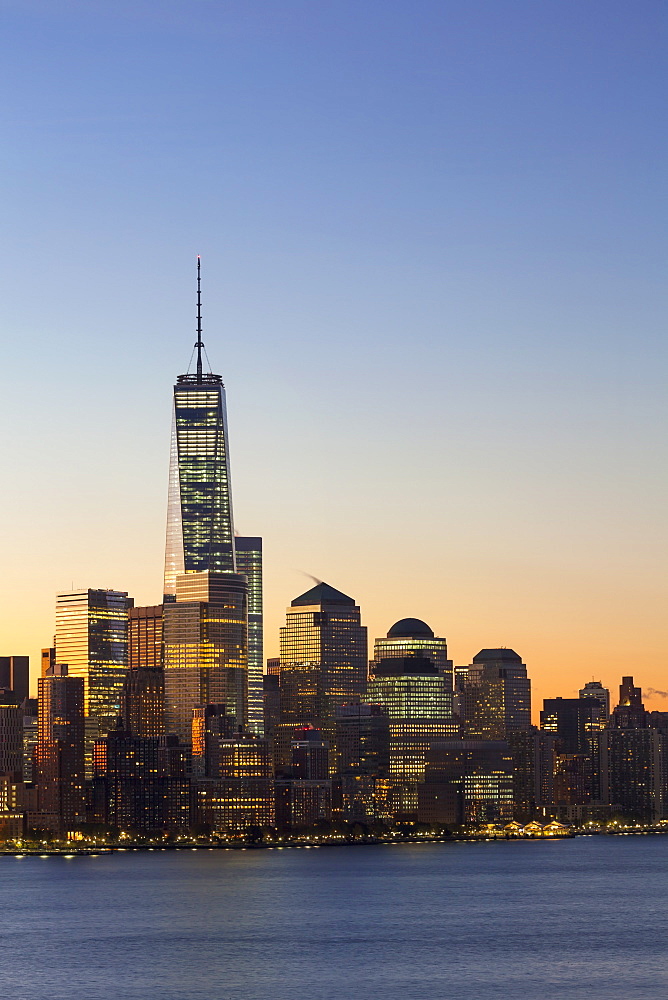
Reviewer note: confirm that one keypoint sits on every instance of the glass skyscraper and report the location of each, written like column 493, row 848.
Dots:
column 200, row 529
column 206, row 612
column 92, row 639
column 249, row 562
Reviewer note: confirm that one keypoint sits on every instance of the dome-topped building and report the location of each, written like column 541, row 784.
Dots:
column 410, row 628
column 413, row 637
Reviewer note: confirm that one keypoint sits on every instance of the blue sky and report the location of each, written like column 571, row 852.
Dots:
column 434, row 245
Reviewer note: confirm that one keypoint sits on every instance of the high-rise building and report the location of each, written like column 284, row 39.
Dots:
column 497, row 695
column 634, row 771
column 362, row 740
column 205, row 636
column 128, row 790
column 92, row 639
column 30, row 736
column 596, row 691
column 59, row 754
column 206, row 628
column 48, row 658
column 630, row 712
column 14, row 671
column 200, row 529
column 11, row 740
column 323, row 661
column 467, row 781
column 249, row 562
column 143, row 702
column 145, row 642
column 412, row 637
column 418, row 701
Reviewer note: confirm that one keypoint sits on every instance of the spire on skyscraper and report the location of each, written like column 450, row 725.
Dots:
column 199, row 323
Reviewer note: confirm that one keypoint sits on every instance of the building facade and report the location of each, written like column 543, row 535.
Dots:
column 249, row 562
column 323, row 661
column 92, row 639
column 205, row 639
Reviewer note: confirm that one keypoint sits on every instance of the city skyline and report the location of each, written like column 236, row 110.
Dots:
column 437, row 306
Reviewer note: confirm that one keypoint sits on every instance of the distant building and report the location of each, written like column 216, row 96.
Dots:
column 59, row 754
column 595, row 690
column 273, row 666
column 323, row 662
column 271, row 696
column 467, row 781
column 11, row 740
column 92, row 639
column 362, row 740
column 205, row 637
column 418, row 701
column 145, row 638
column 630, row 712
column 48, row 659
column 497, row 695
column 14, row 676
column 249, row 562
column 412, row 637
column 633, row 772
column 143, row 702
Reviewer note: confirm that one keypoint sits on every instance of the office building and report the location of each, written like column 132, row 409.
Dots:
column 129, row 793
column 48, row 658
column 630, row 712
column 249, row 562
column 145, row 641
column 633, row 772
column 412, row 637
column 206, row 625
column 200, row 529
column 418, row 701
column 30, row 736
column 14, row 676
column 596, row 691
column 59, row 754
column 11, row 739
column 92, row 639
column 143, row 702
column 143, row 706
column 205, row 640
column 496, row 700
column 210, row 725
column 467, row 781
column 271, row 694
column 323, row 662
column 362, row 740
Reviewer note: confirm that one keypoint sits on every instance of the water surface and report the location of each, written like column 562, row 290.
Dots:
column 582, row 919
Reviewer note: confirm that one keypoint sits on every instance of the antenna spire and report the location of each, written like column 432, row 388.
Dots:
column 199, row 325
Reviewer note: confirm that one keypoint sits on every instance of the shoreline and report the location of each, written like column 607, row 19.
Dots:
column 70, row 851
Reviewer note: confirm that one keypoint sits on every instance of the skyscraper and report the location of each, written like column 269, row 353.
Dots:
column 14, row 676
column 200, row 530
column 412, row 637
column 92, row 639
column 205, row 635
column 497, row 695
column 323, row 661
column 418, row 700
column 206, row 600
column 59, row 754
column 595, row 690
column 249, row 562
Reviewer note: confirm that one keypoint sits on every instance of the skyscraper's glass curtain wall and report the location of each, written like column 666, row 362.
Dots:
column 200, row 533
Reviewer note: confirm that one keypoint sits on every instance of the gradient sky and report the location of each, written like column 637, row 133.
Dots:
column 433, row 242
